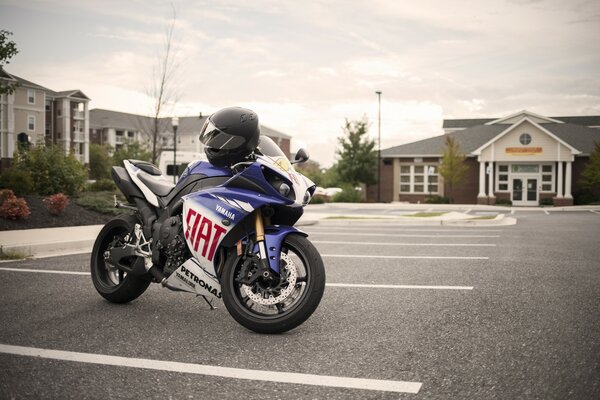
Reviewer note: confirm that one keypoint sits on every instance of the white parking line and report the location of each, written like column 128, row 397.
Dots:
column 368, row 286
column 352, row 285
column 405, row 257
column 346, row 233
column 212, row 370
column 468, row 211
column 595, row 211
column 546, row 212
column 44, row 271
column 380, row 228
column 406, row 244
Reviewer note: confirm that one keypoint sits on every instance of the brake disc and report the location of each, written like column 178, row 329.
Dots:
column 292, row 274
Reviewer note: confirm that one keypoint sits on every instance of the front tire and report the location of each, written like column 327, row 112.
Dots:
column 113, row 284
column 254, row 308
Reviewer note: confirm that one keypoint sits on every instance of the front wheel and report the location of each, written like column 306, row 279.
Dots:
column 268, row 307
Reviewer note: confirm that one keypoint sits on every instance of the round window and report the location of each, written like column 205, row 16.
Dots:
column 525, row 139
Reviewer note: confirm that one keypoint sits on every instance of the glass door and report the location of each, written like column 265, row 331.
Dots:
column 524, row 191
column 532, row 191
column 517, row 191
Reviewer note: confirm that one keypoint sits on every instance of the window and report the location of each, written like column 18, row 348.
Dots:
column 418, row 179
column 31, row 122
column 548, row 178
column 30, row 96
column 525, row 139
column 502, row 178
column 525, row 168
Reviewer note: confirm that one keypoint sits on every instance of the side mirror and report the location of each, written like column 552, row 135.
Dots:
column 301, row 156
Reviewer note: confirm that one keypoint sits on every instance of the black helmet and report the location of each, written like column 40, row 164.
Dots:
column 229, row 135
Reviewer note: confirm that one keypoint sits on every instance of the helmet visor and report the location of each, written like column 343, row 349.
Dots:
column 215, row 138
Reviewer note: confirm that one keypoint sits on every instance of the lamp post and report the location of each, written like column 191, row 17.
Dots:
column 379, row 150
column 175, row 124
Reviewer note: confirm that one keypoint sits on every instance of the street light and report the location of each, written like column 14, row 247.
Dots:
column 379, row 151
column 175, row 123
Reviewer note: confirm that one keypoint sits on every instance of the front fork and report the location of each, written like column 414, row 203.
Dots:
column 259, row 227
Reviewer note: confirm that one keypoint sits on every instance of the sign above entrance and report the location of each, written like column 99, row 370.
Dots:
column 523, row 151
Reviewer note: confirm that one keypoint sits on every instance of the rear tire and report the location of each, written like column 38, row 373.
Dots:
column 248, row 305
column 115, row 285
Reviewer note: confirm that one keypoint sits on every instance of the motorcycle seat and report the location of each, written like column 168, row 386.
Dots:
column 147, row 167
column 159, row 185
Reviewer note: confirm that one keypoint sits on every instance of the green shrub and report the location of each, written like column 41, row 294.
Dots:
column 503, row 202
column 347, row 195
column 52, row 171
column 546, row 201
column 584, row 197
column 102, row 185
column 100, row 201
column 318, row 199
column 15, row 208
column 435, row 199
column 18, row 180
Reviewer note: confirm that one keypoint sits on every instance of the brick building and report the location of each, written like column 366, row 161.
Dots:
column 523, row 158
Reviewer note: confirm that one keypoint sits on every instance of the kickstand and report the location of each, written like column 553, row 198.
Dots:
column 208, row 302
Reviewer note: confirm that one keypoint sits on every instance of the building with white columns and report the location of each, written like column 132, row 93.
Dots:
column 525, row 158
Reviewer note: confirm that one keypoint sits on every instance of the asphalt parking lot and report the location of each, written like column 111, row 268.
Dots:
column 426, row 312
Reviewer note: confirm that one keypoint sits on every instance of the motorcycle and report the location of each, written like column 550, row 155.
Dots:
column 220, row 233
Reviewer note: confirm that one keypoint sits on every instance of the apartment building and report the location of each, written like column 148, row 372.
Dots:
column 117, row 129
column 34, row 114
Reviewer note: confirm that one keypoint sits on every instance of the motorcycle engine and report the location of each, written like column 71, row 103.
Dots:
column 172, row 245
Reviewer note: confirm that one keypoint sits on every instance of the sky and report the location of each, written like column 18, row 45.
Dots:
column 305, row 67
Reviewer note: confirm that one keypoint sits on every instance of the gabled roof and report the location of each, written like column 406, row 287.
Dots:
column 586, row 120
column 468, row 140
column 522, row 114
column 513, row 126
column 71, row 93
column 580, row 138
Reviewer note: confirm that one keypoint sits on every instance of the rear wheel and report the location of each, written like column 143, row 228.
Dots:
column 276, row 306
column 112, row 283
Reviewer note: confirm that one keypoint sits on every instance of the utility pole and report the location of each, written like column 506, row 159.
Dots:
column 175, row 124
column 379, row 151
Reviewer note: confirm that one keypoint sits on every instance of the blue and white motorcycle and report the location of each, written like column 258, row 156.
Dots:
column 219, row 233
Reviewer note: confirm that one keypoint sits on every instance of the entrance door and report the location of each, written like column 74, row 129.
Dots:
column 525, row 191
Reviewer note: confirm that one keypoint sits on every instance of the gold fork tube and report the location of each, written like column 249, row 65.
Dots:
column 259, row 226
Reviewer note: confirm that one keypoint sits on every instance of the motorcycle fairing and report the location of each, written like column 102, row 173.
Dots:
column 209, row 216
column 191, row 277
column 204, row 168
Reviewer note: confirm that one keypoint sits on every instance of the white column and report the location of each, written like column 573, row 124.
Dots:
column 481, row 179
column 491, row 180
column 559, row 185
column 86, row 133
column 568, row 181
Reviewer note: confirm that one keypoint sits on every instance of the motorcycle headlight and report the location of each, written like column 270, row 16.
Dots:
column 307, row 197
column 284, row 189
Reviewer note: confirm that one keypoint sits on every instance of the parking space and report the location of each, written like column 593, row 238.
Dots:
column 415, row 312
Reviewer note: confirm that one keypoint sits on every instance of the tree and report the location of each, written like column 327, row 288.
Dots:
column 453, row 168
column 357, row 161
column 100, row 161
column 162, row 90
column 8, row 49
column 133, row 150
column 590, row 177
